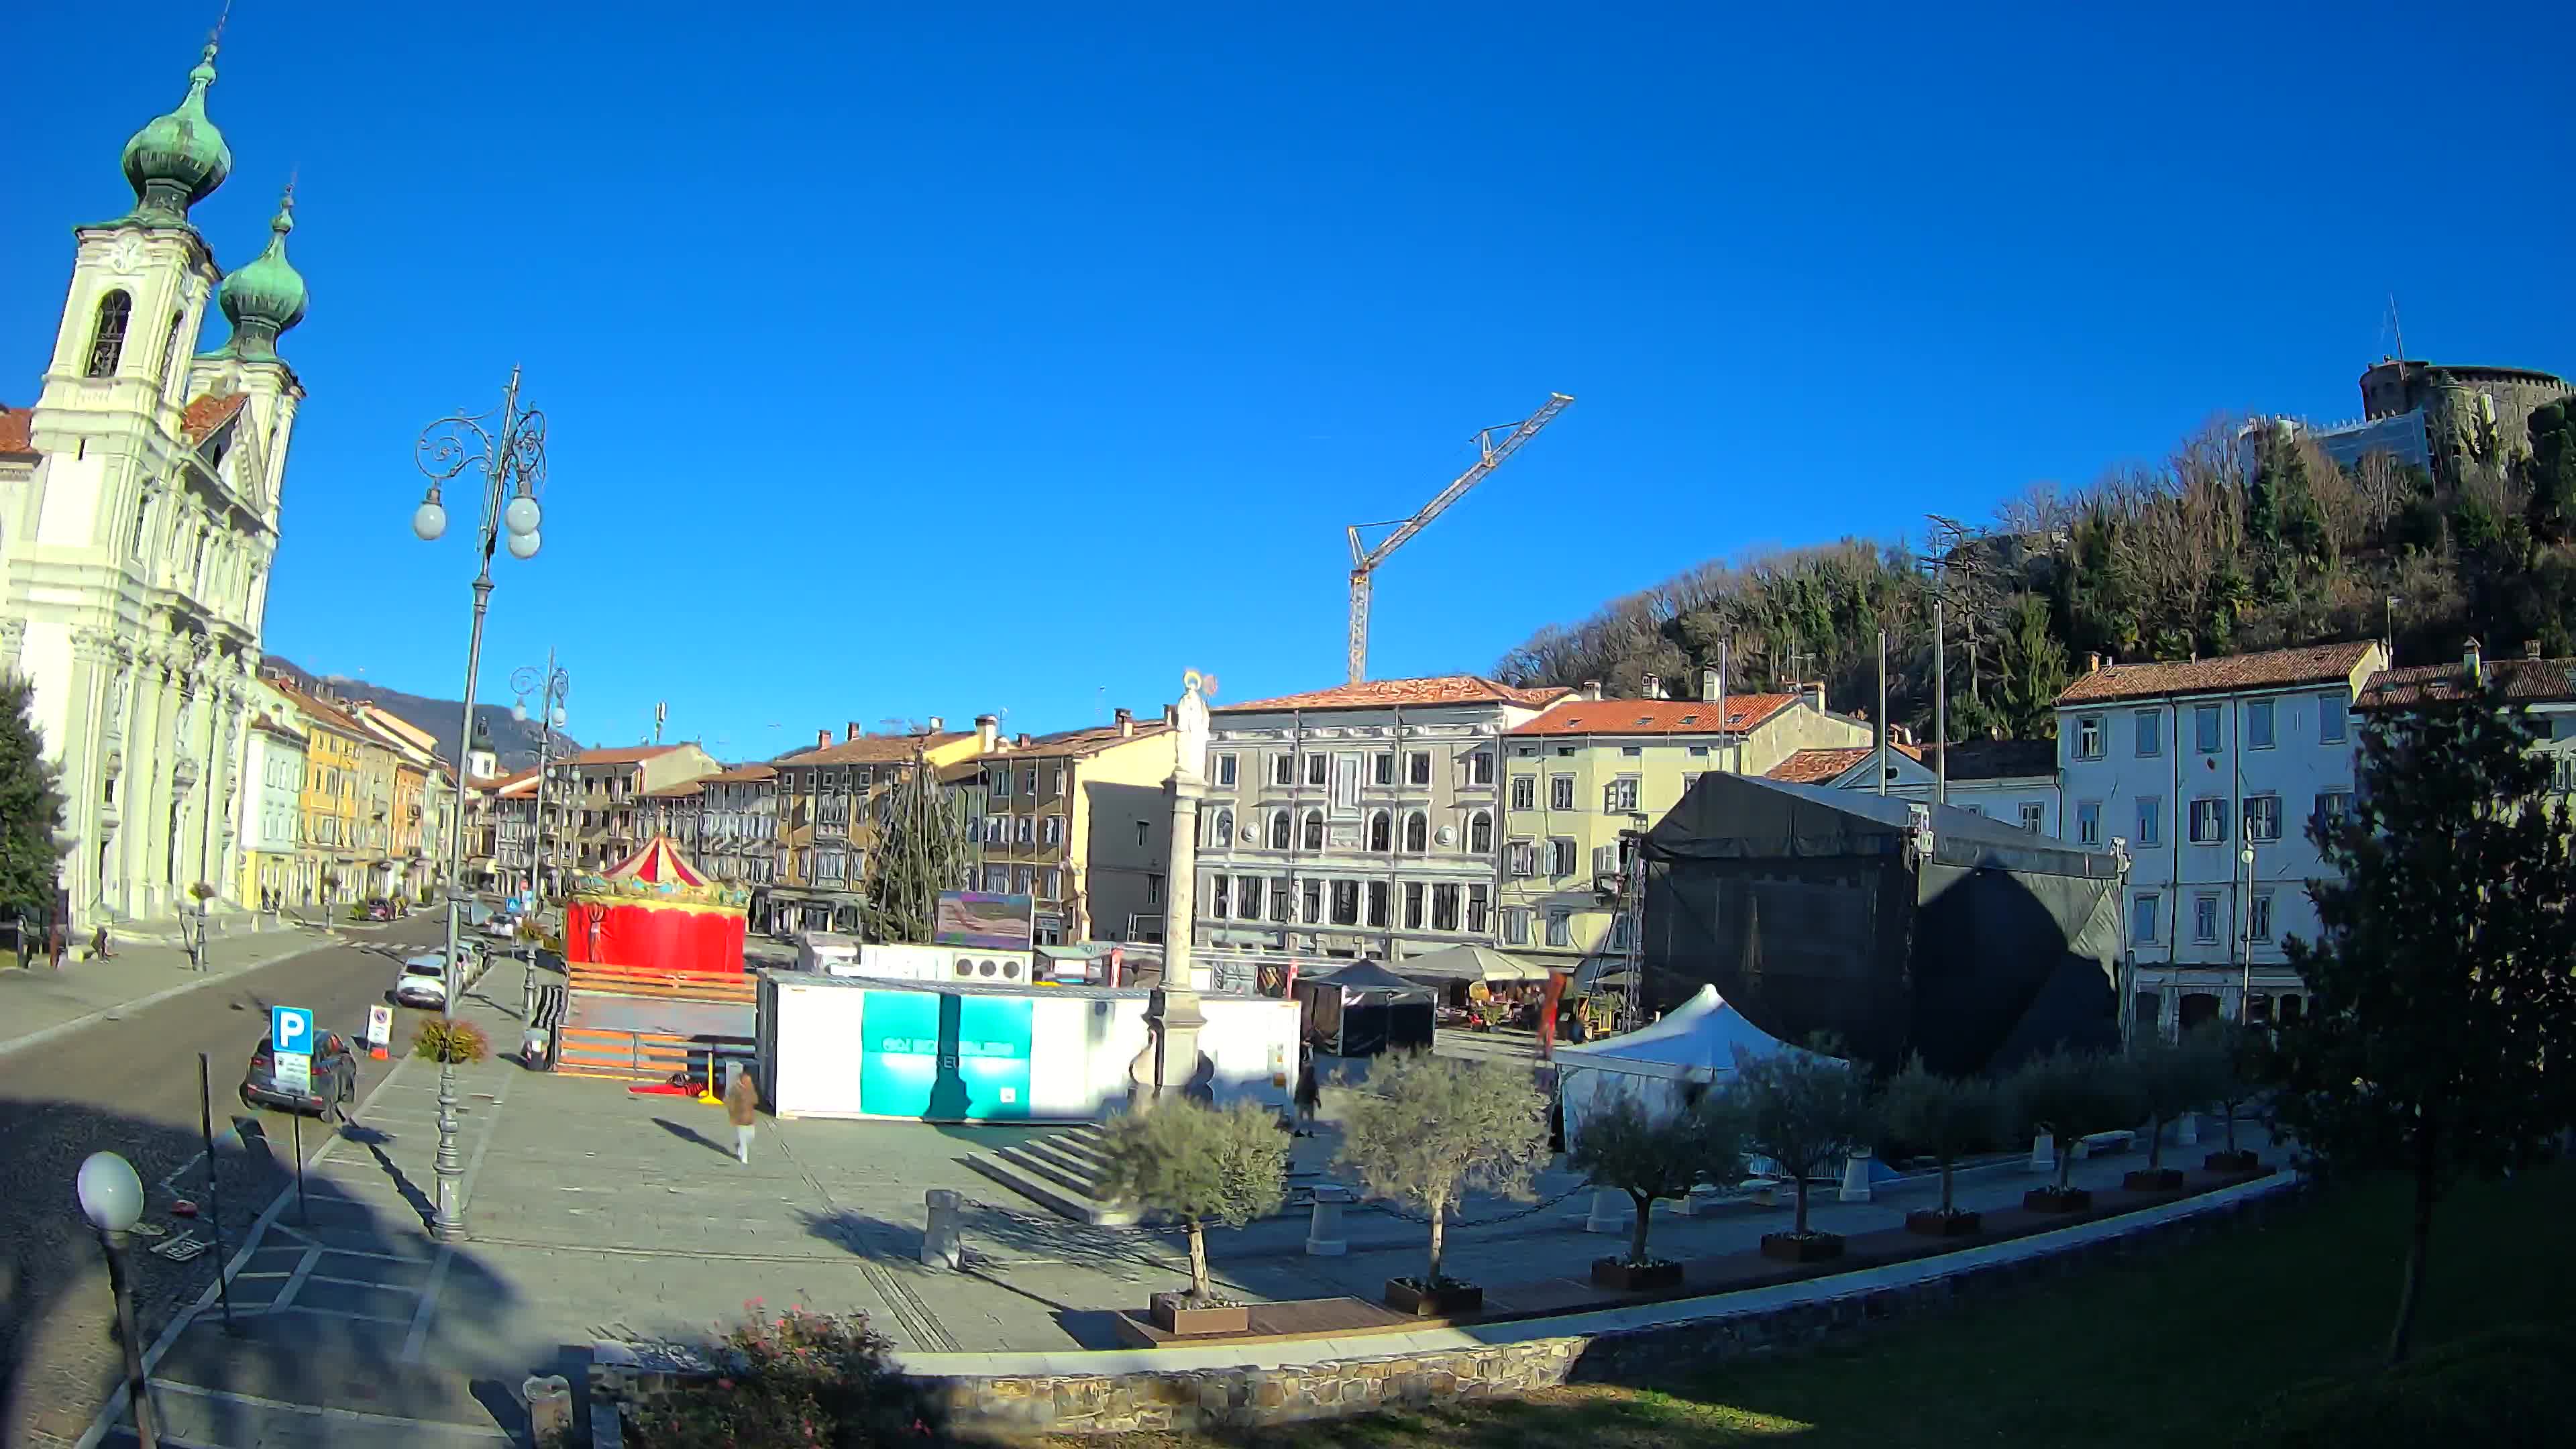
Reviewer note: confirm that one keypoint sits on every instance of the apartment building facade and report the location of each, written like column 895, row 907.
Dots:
column 330, row 804
column 1589, row 771
column 1361, row 820
column 725, row 823
column 596, row 802
column 2207, row 773
column 2014, row 781
column 827, row 802
column 1081, row 820
column 270, row 827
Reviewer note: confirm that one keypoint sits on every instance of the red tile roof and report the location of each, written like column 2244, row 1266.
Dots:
column 742, row 775
column 1654, row 716
column 206, row 414
column 1386, row 693
column 322, row 711
column 1823, row 767
column 17, row 429
column 2534, row 681
column 1079, row 744
column 630, row 755
column 871, row 749
column 2275, row 669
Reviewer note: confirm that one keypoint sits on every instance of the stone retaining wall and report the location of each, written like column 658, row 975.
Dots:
column 1252, row 1396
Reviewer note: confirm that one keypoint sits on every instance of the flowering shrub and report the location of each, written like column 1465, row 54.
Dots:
column 797, row 1381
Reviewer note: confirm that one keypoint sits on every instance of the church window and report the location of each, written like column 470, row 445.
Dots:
column 142, row 521
column 107, row 339
column 170, row 353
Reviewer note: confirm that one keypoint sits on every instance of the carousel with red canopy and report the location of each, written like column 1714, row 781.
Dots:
column 655, row 911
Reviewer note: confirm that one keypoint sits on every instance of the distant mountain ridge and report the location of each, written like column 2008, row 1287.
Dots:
column 513, row 740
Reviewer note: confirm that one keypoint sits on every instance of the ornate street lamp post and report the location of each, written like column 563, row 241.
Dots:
column 508, row 450
column 111, row 1197
column 551, row 686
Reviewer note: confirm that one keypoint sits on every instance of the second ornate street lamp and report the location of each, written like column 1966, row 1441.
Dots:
column 551, row 688
column 111, row 1197
column 508, row 449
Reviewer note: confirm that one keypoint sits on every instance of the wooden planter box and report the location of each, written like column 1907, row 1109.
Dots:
column 1791, row 1248
column 2231, row 1162
column 1620, row 1275
column 1449, row 1300
column 2050, row 1200
column 2152, row 1179
column 1934, row 1223
column 1175, row 1314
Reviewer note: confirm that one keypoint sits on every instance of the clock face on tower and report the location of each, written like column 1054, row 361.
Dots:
column 126, row 254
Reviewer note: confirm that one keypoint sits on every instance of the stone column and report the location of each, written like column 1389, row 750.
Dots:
column 82, row 756
column 1324, row 1231
column 1180, row 881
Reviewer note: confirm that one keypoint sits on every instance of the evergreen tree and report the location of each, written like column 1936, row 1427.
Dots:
column 2440, row 1034
column 2031, row 672
column 921, row 850
column 31, row 806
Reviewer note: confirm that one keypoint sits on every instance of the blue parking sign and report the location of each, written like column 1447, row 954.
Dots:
column 290, row 1030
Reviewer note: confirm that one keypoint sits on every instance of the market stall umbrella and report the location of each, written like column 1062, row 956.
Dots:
column 1469, row 963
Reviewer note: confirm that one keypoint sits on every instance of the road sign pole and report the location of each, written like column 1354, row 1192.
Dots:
column 214, row 1186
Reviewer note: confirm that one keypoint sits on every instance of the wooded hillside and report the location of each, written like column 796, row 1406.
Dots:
column 2210, row 552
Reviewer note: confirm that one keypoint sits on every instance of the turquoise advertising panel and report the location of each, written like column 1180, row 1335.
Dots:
column 945, row 1058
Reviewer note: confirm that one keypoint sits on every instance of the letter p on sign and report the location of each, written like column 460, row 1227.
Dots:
column 290, row 1030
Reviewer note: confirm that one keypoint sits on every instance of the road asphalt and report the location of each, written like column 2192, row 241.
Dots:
column 127, row 1081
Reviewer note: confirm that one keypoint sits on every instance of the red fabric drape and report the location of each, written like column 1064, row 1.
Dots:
column 622, row 934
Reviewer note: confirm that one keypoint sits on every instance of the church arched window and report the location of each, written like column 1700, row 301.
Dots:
column 107, row 338
column 170, row 353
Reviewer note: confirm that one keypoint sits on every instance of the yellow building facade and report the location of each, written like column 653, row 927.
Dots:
column 1590, row 770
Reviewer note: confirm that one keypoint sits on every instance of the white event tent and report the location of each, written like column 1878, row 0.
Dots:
column 1665, row 1063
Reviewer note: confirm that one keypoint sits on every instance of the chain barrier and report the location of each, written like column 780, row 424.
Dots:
column 1373, row 1205
column 1379, row 1205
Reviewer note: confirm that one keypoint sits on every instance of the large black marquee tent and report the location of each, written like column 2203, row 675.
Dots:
column 1364, row 1009
column 1821, row 910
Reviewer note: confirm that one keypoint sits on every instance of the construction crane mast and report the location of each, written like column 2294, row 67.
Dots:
column 1364, row 560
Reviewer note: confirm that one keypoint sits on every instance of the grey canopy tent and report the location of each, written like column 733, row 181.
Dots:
column 1469, row 963
column 1822, row 910
column 1364, row 1009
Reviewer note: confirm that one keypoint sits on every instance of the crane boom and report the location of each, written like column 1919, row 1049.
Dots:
column 1364, row 560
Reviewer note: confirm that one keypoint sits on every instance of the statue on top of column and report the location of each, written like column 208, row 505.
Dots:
column 1192, row 712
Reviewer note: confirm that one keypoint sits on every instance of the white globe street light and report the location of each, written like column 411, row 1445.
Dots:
column 429, row 520
column 111, row 1197
column 523, row 545
column 521, row 516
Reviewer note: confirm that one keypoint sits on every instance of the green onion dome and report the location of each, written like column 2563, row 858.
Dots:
column 178, row 160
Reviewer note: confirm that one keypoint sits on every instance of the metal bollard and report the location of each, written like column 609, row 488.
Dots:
column 2043, row 1153
column 1324, row 1232
column 2187, row 1130
column 943, row 1241
column 1609, row 1212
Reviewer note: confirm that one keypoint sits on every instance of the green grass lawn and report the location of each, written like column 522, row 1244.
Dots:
column 2175, row 1347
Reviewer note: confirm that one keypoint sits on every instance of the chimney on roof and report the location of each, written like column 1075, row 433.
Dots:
column 1172, row 716
column 822, row 739
column 1815, row 696
column 2530, row 648
column 1022, row 742
column 1589, row 690
column 1708, row 683
column 1126, row 721
column 1654, row 686
column 2473, row 663
column 853, row 728
column 938, row 723
column 2092, row 662
column 988, row 728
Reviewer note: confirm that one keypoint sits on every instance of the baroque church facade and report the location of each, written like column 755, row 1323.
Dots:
column 138, row 525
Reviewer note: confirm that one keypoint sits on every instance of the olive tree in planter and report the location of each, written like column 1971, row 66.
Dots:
column 1426, row 1130
column 2228, row 1053
column 2070, row 1095
column 1942, row 1117
column 1650, row 1154
column 1198, row 1164
column 1802, row 1110
column 2172, row 1078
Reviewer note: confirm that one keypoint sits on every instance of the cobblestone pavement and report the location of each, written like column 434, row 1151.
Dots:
column 126, row 1080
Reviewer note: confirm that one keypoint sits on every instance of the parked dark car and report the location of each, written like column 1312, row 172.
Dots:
column 334, row 1085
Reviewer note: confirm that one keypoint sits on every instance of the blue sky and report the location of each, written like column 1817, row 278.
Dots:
column 941, row 361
